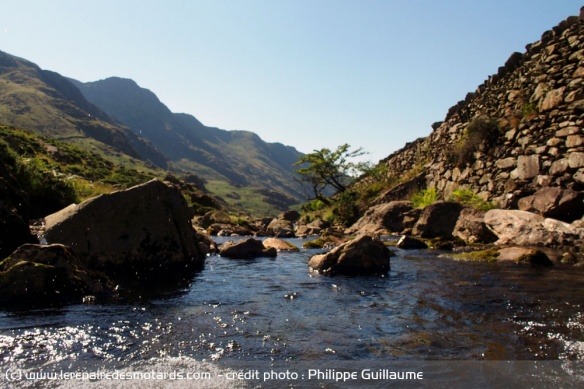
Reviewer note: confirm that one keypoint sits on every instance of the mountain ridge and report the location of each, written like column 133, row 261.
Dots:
column 188, row 143
column 137, row 130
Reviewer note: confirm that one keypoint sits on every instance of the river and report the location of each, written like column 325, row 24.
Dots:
column 238, row 320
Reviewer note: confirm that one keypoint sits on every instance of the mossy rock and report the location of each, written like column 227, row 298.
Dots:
column 488, row 255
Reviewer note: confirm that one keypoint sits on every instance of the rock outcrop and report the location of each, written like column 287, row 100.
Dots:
column 246, row 249
column 362, row 255
column 144, row 229
column 521, row 228
column 471, row 227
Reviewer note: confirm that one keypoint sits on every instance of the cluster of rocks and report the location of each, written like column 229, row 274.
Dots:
column 468, row 225
column 533, row 159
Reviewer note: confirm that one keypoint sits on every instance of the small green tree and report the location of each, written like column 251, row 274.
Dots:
column 323, row 169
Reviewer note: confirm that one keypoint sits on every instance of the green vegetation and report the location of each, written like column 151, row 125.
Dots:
column 468, row 197
column 324, row 169
column 489, row 255
column 425, row 197
column 54, row 174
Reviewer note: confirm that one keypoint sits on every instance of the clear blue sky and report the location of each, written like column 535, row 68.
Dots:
column 307, row 73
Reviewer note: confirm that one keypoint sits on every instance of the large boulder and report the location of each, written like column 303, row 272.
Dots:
column 471, row 227
column 522, row 228
column 438, row 219
column 246, row 249
column 562, row 204
column 362, row 255
column 48, row 274
column 143, row 229
column 381, row 218
column 280, row 228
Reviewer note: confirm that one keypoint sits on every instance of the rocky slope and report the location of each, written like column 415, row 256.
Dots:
column 517, row 140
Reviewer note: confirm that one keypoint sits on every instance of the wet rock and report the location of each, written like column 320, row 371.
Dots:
column 49, row 274
column 524, row 255
column 144, row 229
column 409, row 243
column 246, row 249
column 279, row 244
column 387, row 216
column 363, row 255
column 471, row 227
column 438, row 219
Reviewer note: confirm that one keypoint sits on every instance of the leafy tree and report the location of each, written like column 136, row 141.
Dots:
column 323, row 169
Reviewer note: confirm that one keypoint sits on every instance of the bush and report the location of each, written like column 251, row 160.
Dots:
column 425, row 197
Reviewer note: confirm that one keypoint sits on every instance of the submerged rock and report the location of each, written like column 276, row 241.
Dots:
column 144, row 229
column 363, row 255
column 246, row 249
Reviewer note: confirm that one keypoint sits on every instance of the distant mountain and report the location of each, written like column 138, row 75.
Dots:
column 45, row 102
column 240, row 157
column 129, row 125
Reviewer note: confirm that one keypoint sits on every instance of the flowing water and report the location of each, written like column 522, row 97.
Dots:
column 272, row 316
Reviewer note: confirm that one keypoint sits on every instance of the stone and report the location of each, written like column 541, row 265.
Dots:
column 279, row 245
column 49, row 274
column 559, row 167
column 506, row 163
column 516, row 227
column 438, row 219
column 576, row 160
column 527, row 166
column 361, row 256
column 409, row 243
column 562, row 204
column 574, row 141
column 144, row 229
column 387, row 216
column 471, row 227
column 246, row 249
column 281, row 228
column 522, row 255
column 552, row 99
column 579, row 176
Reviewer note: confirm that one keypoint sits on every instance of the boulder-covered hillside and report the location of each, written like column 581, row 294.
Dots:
column 516, row 141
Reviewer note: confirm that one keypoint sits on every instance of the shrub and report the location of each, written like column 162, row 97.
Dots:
column 425, row 197
column 468, row 197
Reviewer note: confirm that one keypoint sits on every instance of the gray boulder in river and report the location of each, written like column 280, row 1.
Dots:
column 144, row 229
